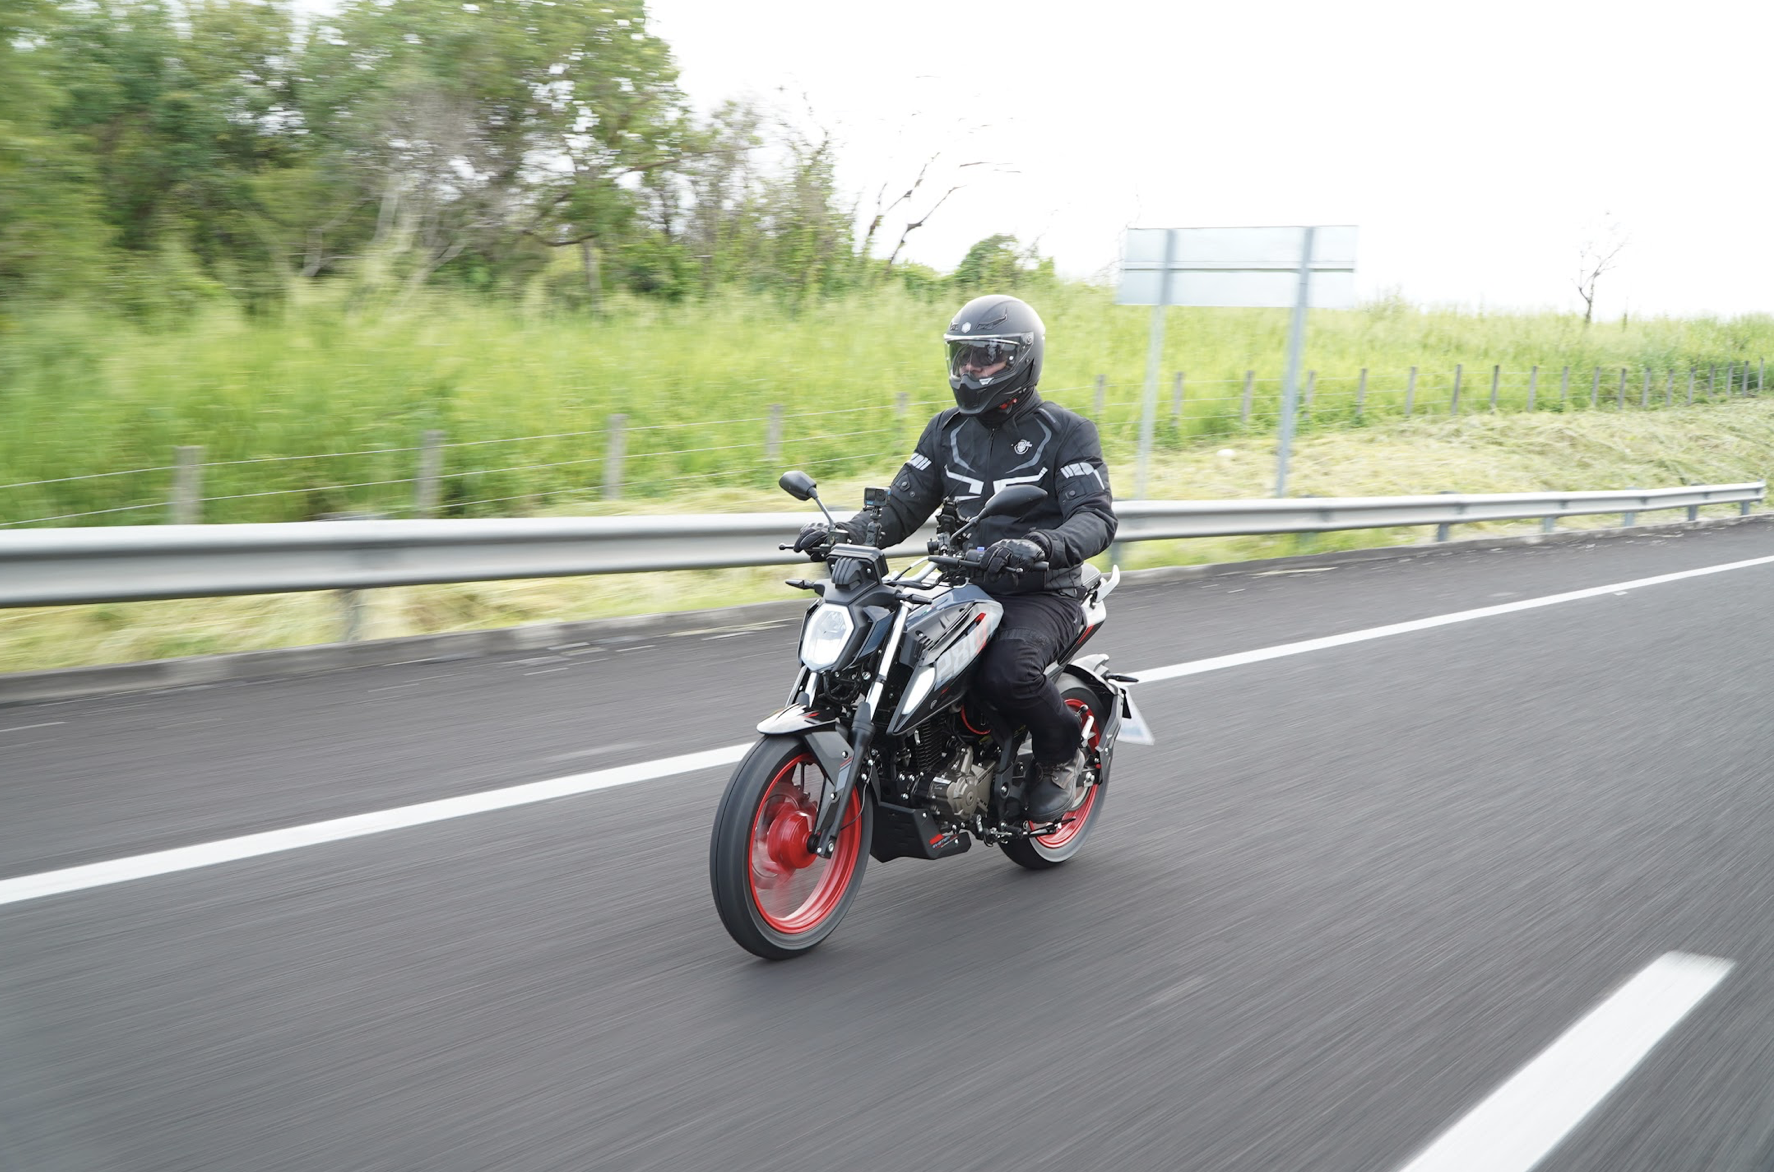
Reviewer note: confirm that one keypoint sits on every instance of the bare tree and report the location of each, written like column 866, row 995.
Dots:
column 1597, row 254
column 913, row 225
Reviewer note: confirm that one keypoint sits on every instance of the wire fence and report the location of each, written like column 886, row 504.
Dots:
column 627, row 461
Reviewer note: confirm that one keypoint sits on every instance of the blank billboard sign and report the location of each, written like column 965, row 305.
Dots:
column 1236, row 267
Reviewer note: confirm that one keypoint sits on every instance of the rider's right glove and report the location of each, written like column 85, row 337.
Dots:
column 817, row 538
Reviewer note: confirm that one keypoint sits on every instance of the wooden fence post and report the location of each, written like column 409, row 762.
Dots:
column 1533, row 384
column 1176, row 403
column 1669, row 389
column 187, row 484
column 1410, row 392
column 614, row 453
column 1250, row 378
column 1692, row 373
column 1360, row 392
column 1496, row 376
column 430, row 467
column 1454, row 401
column 1564, row 388
column 1620, row 395
column 773, row 435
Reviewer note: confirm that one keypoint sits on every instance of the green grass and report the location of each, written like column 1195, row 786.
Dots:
column 348, row 396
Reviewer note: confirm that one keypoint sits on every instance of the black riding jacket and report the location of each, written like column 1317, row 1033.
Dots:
column 1040, row 443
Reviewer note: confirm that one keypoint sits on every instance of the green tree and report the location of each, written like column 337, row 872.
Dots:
column 998, row 262
column 489, row 129
column 51, row 239
column 177, row 110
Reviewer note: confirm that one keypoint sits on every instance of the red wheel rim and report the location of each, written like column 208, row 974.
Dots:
column 792, row 888
column 1073, row 823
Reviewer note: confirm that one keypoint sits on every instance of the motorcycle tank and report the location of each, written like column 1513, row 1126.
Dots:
column 942, row 643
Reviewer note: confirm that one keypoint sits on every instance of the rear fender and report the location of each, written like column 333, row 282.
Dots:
column 1088, row 673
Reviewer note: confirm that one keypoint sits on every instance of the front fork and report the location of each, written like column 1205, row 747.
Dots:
column 849, row 766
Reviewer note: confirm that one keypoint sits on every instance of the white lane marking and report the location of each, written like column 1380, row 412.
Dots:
column 227, row 850
column 203, row 854
column 1526, row 1117
column 47, row 724
column 1241, row 658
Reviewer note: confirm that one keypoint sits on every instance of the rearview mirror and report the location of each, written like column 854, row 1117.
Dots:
column 799, row 485
column 1018, row 498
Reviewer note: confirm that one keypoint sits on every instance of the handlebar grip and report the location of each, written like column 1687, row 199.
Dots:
column 976, row 562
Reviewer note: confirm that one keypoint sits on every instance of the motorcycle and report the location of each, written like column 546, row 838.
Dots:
column 881, row 751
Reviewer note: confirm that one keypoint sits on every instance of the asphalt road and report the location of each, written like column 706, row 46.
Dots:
column 1349, row 895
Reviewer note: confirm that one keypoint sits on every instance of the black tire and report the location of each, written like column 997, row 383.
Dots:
column 1038, row 854
column 758, row 882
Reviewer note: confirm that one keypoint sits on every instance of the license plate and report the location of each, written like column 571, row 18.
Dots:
column 1134, row 729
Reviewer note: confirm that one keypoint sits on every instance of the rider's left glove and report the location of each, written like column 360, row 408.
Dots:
column 1012, row 554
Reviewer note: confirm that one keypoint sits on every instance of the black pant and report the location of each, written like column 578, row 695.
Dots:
column 1012, row 676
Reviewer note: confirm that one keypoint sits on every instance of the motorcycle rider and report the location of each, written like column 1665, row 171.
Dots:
column 999, row 433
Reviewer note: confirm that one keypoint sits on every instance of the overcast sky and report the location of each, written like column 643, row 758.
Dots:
column 1474, row 144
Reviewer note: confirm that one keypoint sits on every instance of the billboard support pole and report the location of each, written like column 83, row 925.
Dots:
column 1290, row 383
column 1154, row 358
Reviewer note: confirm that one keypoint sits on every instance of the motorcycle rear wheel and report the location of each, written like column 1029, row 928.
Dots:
column 1050, row 850
column 775, row 898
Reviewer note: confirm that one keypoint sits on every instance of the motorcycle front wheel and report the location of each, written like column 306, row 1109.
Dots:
column 1040, row 852
column 775, row 897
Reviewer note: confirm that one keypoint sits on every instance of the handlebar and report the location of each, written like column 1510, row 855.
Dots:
column 973, row 562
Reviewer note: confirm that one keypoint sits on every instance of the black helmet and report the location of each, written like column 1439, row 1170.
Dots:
column 995, row 346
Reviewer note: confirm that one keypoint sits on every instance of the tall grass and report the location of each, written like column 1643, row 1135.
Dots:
column 320, row 411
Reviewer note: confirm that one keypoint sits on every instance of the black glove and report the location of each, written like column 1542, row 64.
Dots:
column 1013, row 553
column 816, row 537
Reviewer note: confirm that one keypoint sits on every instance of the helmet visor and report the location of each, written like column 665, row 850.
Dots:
column 982, row 360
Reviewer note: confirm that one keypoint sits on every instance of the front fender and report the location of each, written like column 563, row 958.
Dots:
column 829, row 746
column 796, row 719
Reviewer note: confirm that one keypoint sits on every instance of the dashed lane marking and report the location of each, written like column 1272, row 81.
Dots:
column 1524, row 1119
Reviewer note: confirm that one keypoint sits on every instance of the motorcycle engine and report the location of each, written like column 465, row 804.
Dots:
column 963, row 786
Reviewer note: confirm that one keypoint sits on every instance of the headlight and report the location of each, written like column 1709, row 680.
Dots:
column 826, row 635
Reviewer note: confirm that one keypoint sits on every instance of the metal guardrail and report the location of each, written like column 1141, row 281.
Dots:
column 51, row 567
column 1154, row 520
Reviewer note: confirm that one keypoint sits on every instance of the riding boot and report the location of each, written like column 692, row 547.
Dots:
column 1049, row 793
